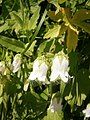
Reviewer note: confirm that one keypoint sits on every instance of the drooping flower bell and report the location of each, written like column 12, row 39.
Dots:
column 39, row 70
column 16, row 63
column 59, row 69
column 87, row 111
column 2, row 67
column 55, row 105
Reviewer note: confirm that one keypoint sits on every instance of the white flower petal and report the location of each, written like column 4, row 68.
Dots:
column 59, row 67
column 56, row 63
column 42, row 72
column 87, row 111
column 36, row 65
column 32, row 76
column 64, row 77
column 55, row 105
column 39, row 70
column 41, row 78
column 16, row 63
column 54, row 75
column 64, row 64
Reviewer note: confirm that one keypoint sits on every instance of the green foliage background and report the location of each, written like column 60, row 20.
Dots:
column 44, row 27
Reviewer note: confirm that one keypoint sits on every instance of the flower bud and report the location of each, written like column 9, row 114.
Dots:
column 16, row 63
column 55, row 105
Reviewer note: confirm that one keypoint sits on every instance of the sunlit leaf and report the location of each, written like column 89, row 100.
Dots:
column 26, row 85
column 4, row 27
column 41, row 48
column 18, row 19
column 54, row 116
column 61, row 1
column 52, row 33
column 29, row 52
column 1, row 100
column 31, row 24
column 12, row 44
column 1, row 89
column 55, row 2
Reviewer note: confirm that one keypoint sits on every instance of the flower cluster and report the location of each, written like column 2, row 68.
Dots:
column 59, row 68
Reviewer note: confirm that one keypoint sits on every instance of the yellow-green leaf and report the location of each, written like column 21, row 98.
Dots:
column 62, row 29
column 72, row 40
column 53, row 116
column 55, row 16
column 4, row 27
column 82, row 19
column 12, row 44
column 52, row 33
column 61, row 1
column 33, row 21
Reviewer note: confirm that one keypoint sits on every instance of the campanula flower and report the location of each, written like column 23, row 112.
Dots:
column 55, row 105
column 39, row 70
column 59, row 69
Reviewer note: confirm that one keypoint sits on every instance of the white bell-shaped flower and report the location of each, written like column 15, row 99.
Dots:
column 59, row 69
column 39, row 70
column 16, row 63
column 55, row 105
column 2, row 67
column 87, row 111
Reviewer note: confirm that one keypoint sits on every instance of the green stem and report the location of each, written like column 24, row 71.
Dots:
column 36, row 32
column 51, row 92
column 62, row 87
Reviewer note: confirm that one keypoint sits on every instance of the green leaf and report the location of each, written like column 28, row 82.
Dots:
column 52, row 33
column 31, row 24
column 55, row 16
column 72, row 40
column 73, row 59
column 12, row 44
column 83, row 81
column 18, row 19
column 41, row 48
column 29, row 52
column 82, row 19
column 54, row 116
column 62, row 29
column 1, row 100
column 61, row 1
column 55, row 2
column 4, row 27
column 1, row 89
column 44, row 94
column 0, row 1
